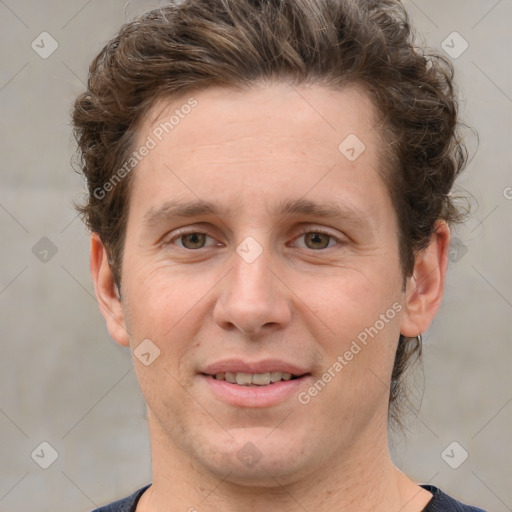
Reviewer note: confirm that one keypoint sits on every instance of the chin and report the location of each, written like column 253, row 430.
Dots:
column 251, row 458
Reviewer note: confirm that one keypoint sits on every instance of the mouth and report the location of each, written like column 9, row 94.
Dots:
column 254, row 384
column 254, row 379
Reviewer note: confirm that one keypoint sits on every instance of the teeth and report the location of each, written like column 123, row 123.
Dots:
column 253, row 379
column 229, row 377
column 262, row 379
column 275, row 376
column 243, row 379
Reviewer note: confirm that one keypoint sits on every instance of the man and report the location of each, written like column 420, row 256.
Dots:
column 269, row 205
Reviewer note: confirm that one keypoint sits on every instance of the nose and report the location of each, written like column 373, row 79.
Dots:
column 252, row 299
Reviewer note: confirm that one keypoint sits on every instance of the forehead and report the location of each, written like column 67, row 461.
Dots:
column 271, row 112
column 275, row 140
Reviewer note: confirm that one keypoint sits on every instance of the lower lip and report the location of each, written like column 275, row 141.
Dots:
column 255, row 396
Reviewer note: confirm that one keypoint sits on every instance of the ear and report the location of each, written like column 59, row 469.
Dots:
column 106, row 293
column 424, row 289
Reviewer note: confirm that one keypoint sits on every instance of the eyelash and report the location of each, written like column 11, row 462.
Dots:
column 183, row 232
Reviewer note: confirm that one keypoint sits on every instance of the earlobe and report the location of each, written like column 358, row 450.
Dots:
column 107, row 296
column 424, row 291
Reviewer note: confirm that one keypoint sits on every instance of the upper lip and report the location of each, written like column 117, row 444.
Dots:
column 243, row 366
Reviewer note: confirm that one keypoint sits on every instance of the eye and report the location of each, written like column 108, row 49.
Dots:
column 192, row 240
column 317, row 240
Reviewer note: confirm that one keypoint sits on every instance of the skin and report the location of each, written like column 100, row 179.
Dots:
column 300, row 301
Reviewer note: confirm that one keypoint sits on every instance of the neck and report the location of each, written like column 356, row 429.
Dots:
column 364, row 478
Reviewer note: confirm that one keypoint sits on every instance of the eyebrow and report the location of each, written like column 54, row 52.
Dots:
column 180, row 209
column 325, row 210
column 187, row 209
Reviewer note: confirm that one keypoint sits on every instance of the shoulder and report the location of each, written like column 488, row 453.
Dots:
column 125, row 505
column 441, row 502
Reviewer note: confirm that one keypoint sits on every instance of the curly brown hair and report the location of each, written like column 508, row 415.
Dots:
column 194, row 44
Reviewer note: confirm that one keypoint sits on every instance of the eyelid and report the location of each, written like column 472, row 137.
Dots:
column 166, row 240
column 189, row 230
column 323, row 231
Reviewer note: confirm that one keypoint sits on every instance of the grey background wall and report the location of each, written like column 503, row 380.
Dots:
column 64, row 382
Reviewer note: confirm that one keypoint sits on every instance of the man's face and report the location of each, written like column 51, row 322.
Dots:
column 266, row 282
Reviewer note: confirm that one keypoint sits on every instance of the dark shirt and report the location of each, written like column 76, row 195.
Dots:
column 440, row 502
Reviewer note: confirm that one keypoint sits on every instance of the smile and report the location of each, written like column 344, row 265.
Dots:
column 254, row 379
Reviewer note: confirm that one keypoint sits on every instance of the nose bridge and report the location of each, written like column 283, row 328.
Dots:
column 250, row 276
column 252, row 297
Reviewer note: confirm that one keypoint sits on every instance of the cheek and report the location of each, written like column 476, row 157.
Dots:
column 348, row 306
column 362, row 313
column 358, row 352
column 169, row 309
column 158, row 299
